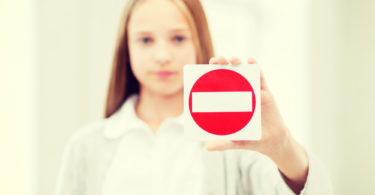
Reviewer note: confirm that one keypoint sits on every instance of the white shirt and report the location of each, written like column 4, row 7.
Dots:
column 121, row 156
column 162, row 163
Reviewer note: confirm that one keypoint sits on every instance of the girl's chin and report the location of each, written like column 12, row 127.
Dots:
column 168, row 92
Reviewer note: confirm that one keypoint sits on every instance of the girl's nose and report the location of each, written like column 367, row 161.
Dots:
column 163, row 54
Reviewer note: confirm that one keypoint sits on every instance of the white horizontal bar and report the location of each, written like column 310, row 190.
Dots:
column 222, row 101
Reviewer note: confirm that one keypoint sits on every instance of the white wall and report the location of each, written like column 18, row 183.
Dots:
column 343, row 92
column 62, row 82
column 17, row 97
column 75, row 48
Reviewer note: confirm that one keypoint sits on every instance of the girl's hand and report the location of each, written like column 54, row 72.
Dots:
column 277, row 142
column 274, row 132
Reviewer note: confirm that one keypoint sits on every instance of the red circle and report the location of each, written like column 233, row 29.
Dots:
column 222, row 123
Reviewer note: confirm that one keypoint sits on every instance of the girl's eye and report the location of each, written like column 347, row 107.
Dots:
column 178, row 39
column 146, row 40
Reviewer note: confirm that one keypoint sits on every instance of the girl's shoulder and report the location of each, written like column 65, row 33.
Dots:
column 90, row 135
column 108, row 130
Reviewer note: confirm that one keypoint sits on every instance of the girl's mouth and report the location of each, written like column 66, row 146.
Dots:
column 164, row 74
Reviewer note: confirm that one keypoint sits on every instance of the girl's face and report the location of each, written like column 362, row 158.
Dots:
column 160, row 43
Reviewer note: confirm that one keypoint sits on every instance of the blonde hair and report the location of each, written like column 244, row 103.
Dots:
column 122, row 80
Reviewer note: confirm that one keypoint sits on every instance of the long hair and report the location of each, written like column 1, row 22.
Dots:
column 122, row 81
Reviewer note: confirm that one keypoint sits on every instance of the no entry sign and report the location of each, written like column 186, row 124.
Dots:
column 234, row 105
column 222, row 101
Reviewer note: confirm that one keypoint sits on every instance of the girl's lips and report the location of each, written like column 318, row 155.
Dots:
column 164, row 74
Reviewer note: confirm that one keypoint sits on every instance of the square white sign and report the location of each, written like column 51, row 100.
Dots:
column 222, row 101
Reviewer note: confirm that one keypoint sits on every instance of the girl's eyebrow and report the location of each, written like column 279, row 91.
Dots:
column 141, row 32
column 179, row 30
column 147, row 32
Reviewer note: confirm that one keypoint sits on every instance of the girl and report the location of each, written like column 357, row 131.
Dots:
column 140, row 148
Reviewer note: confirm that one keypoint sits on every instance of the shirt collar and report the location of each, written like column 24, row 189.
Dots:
column 125, row 119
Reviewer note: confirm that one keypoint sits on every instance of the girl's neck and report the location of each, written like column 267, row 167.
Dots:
column 154, row 109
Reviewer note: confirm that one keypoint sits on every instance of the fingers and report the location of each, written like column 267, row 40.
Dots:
column 222, row 60
column 213, row 60
column 235, row 61
column 218, row 60
column 251, row 61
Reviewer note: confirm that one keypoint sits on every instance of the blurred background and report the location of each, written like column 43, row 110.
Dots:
column 318, row 57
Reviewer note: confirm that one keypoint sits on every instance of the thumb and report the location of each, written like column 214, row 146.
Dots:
column 263, row 84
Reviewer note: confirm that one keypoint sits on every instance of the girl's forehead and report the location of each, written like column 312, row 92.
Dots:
column 160, row 14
